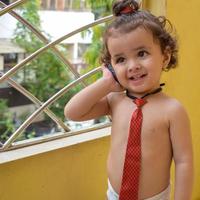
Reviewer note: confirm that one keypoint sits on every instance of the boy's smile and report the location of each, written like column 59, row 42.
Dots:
column 137, row 60
column 137, row 79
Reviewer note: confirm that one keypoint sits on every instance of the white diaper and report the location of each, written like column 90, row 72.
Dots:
column 164, row 195
column 111, row 194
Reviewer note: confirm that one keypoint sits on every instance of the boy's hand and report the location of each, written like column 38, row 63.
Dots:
column 114, row 85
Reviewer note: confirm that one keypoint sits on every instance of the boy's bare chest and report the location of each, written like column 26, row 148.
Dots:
column 154, row 125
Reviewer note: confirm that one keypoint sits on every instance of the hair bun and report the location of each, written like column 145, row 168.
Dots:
column 125, row 7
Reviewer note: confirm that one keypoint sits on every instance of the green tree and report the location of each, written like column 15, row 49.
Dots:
column 100, row 9
column 7, row 124
column 23, row 36
column 6, row 121
column 45, row 75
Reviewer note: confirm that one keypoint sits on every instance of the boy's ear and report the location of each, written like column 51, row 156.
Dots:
column 167, row 57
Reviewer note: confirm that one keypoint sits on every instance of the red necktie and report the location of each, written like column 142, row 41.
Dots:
column 132, row 163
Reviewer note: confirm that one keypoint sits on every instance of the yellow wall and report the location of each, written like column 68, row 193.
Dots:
column 184, row 82
column 73, row 173
column 78, row 172
column 157, row 7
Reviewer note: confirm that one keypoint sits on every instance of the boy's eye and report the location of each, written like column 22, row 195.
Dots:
column 120, row 60
column 142, row 53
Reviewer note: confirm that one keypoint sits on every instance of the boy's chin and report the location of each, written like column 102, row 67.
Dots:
column 139, row 92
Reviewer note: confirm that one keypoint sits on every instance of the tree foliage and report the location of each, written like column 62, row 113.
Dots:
column 46, row 74
column 6, row 121
column 100, row 9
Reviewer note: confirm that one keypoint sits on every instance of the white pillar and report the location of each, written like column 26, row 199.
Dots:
column 1, row 63
column 75, row 54
column 20, row 57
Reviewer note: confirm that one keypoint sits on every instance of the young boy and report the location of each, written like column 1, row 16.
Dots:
column 139, row 48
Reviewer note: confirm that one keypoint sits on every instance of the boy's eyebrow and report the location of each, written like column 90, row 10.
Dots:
column 134, row 49
column 118, row 55
column 140, row 47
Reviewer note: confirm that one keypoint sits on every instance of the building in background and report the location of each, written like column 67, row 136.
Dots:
column 64, row 5
column 57, row 19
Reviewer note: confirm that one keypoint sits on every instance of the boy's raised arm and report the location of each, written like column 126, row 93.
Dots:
column 91, row 102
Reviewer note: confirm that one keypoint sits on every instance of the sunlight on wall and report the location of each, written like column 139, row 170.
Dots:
column 183, row 82
column 155, row 6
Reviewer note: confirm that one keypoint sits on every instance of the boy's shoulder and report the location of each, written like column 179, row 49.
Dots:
column 116, row 95
column 174, row 107
column 172, row 102
column 170, row 105
column 168, row 101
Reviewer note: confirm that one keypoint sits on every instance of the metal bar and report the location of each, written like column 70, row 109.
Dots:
column 46, row 41
column 42, row 49
column 46, row 104
column 47, row 138
column 11, row 6
column 26, row 93
column 65, row 61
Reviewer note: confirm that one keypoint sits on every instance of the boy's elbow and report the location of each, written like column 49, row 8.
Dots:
column 70, row 114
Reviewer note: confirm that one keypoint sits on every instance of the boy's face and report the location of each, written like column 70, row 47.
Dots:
column 137, row 60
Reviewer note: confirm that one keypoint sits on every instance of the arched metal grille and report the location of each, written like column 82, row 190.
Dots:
column 43, row 107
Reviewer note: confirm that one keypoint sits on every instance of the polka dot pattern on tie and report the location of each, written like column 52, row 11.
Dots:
column 132, row 164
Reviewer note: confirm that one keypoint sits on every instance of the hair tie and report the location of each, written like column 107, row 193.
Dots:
column 128, row 9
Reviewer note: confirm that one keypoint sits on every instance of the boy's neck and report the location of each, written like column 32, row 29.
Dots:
column 157, row 90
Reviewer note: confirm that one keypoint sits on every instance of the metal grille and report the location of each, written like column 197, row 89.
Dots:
column 43, row 107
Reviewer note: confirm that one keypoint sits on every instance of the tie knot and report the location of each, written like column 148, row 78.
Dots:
column 139, row 102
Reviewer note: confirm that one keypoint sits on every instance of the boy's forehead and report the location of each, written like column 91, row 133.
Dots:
column 135, row 38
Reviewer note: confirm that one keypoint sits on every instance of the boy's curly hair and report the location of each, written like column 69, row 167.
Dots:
column 160, row 27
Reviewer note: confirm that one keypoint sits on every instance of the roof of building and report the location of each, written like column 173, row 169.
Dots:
column 7, row 46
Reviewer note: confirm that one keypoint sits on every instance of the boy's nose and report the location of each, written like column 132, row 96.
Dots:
column 133, row 66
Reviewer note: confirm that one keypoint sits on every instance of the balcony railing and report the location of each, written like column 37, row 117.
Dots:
column 43, row 107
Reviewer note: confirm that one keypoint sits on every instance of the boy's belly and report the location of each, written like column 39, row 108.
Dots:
column 155, row 172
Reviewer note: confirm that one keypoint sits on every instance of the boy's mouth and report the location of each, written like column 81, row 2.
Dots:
column 137, row 77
